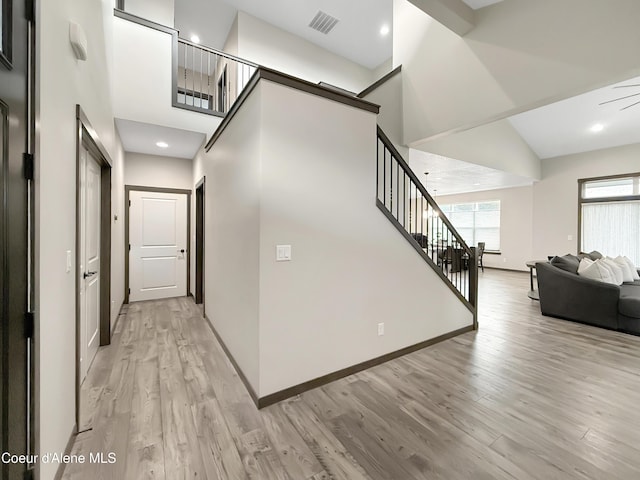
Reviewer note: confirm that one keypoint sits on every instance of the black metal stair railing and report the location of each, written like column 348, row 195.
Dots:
column 207, row 80
column 407, row 204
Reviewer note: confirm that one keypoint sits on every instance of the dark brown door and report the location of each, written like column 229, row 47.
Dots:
column 200, row 242
column 15, row 330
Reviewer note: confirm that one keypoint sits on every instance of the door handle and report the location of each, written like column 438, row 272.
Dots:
column 182, row 250
column 89, row 274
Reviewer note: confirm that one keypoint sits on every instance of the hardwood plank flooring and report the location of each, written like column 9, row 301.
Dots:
column 525, row 397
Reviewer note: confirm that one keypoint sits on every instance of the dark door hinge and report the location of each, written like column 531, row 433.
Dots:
column 29, row 319
column 30, row 10
column 129, row 247
column 129, row 291
column 28, row 474
column 27, row 160
column 129, row 202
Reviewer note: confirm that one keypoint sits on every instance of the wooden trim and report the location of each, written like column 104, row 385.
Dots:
column 389, row 145
column 80, row 115
column 87, row 137
column 608, row 177
column 7, row 34
column 239, row 371
column 200, row 239
column 426, row 257
column 276, row 397
column 380, row 82
column 144, row 22
column 105, row 256
column 582, row 181
column 345, row 372
column 67, row 451
column 141, row 188
column 263, row 73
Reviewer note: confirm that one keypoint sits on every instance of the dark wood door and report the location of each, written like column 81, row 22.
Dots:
column 200, row 243
column 15, row 331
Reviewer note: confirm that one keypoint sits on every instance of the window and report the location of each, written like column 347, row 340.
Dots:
column 476, row 222
column 610, row 216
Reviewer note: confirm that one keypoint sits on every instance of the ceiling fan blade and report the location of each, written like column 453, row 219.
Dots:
column 621, row 98
column 629, row 106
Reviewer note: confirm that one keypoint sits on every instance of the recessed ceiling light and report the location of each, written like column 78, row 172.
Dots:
column 384, row 30
column 476, row 184
column 162, row 144
column 598, row 127
column 438, row 178
column 195, row 38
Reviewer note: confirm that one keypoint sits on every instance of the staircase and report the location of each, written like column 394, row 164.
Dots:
column 406, row 203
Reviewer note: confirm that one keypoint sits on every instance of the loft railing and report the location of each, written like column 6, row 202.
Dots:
column 407, row 204
column 207, row 80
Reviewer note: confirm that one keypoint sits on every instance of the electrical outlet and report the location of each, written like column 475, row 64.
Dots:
column 380, row 329
column 504, row 260
column 569, row 237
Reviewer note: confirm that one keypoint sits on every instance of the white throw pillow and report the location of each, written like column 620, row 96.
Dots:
column 584, row 264
column 627, row 274
column 616, row 271
column 595, row 271
column 634, row 270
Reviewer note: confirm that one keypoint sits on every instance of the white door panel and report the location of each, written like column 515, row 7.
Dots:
column 158, row 239
column 89, row 270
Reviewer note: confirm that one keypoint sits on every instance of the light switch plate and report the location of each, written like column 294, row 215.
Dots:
column 283, row 253
column 68, row 261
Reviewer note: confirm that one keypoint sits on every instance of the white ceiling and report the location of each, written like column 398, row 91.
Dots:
column 448, row 176
column 211, row 20
column 142, row 137
column 356, row 36
column 563, row 128
column 476, row 4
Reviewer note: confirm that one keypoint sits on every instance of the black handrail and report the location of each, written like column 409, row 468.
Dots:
column 409, row 206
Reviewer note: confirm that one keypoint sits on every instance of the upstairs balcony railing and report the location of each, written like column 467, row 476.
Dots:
column 207, row 80
column 407, row 204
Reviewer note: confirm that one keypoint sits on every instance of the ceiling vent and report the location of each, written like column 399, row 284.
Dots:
column 323, row 22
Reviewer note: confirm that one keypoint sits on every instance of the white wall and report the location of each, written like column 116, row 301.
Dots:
column 350, row 268
column 389, row 97
column 158, row 171
column 280, row 176
column 521, row 54
column 382, row 69
column 159, row 11
column 516, row 224
column 142, row 80
column 272, row 47
column 65, row 82
column 495, row 145
column 232, row 236
column 556, row 197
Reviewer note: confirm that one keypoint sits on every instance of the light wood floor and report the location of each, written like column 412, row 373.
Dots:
column 524, row 397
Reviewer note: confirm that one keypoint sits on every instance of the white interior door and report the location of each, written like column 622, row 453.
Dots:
column 158, row 241
column 89, row 260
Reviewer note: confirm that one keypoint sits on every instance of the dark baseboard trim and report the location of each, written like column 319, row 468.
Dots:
column 67, row 451
column 247, row 385
column 377, row 83
column 115, row 324
column 262, row 402
column 345, row 372
column 505, row 269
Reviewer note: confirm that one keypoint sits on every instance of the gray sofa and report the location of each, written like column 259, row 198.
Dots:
column 565, row 294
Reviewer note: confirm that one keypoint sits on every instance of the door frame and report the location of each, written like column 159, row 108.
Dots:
column 200, row 208
column 140, row 188
column 87, row 137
